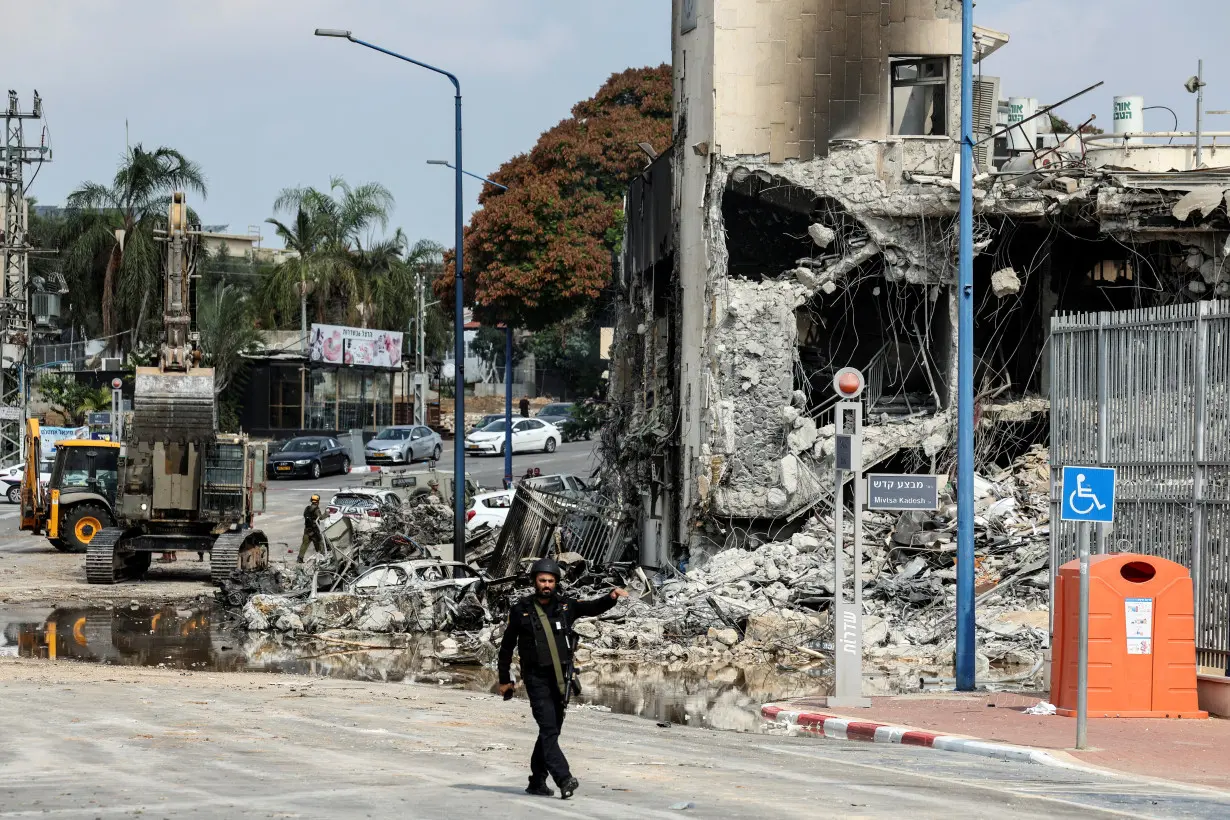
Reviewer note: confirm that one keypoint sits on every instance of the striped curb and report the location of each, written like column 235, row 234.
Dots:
column 839, row 728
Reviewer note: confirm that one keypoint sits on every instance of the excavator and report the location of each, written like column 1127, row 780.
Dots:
column 181, row 485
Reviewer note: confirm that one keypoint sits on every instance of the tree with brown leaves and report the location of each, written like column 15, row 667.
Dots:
column 542, row 250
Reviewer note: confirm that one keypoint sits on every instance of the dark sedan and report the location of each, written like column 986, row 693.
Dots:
column 561, row 414
column 311, row 456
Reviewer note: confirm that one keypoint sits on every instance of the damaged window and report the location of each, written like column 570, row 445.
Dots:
column 920, row 96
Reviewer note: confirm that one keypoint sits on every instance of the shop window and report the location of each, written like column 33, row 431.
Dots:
column 919, row 96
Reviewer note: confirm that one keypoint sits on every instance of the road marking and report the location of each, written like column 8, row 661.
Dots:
column 9, row 515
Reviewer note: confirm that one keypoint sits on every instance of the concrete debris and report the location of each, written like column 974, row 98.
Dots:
column 823, row 236
column 1204, row 199
column 1005, row 282
column 773, row 600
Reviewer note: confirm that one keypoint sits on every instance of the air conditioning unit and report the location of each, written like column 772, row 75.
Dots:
column 112, row 364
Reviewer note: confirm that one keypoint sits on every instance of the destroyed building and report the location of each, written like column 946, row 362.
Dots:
column 805, row 220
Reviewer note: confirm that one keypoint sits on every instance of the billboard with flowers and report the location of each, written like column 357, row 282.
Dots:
column 340, row 345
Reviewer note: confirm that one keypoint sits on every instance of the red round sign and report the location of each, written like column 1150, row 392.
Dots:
column 848, row 383
column 116, row 384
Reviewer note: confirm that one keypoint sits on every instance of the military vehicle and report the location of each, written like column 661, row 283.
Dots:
column 410, row 482
column 79, row 500
column 182, row 485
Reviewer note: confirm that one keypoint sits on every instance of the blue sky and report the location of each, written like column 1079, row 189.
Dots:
column 243, row 88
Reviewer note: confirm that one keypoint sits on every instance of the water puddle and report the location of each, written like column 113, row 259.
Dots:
column 204, row 638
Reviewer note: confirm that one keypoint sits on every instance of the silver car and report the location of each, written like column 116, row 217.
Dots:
column 403, row 444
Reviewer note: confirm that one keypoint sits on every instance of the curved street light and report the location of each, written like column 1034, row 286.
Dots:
column 459, row 425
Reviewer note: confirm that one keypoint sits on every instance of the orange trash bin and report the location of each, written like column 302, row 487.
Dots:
column 1142, row 638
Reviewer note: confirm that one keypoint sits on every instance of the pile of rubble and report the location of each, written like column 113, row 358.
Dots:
column 741, row 606
column 773, row 600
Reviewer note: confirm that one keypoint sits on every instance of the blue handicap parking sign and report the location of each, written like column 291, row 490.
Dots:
column 1088, row 494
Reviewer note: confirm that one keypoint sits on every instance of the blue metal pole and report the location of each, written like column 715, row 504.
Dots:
column 459, row 382
column 508, row 476
column 965, row 367
column 459, row 385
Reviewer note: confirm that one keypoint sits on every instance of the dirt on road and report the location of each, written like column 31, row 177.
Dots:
column 32, row 571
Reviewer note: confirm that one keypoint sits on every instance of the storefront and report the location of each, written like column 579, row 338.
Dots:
column 346, row 382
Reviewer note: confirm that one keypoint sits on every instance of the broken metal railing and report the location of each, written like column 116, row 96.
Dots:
column 541, row 523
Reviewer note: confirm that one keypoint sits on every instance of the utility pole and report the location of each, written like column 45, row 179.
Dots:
column 15, row 328
column 1196, row 84
column 420, row 357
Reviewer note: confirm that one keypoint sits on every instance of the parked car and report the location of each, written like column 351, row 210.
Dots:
column 555, row 413
column 403, row 444
column 311, row 456
column 560, row 484
column 490, row 509
column 11, row 477
column 487, row 419
column 527, row 435
column 363, row 504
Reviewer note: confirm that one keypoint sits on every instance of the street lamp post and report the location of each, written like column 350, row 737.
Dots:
column 507, row 353
column 966, row 646
column 459, row 426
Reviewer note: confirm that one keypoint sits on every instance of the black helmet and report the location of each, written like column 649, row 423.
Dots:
column 547, row 565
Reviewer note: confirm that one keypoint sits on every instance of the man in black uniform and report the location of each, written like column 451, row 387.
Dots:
column 312, row 514
column 540, row 628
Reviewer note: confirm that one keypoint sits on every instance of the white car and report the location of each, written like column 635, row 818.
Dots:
column 11, row 478
column 490, row 509
column 528, row 435
column 364, row 506
column 423, row 574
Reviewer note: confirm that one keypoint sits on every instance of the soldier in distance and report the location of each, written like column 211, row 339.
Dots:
column 540, row 628
column 312, row 514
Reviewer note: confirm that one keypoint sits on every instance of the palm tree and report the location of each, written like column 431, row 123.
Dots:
column 114, row 228
column 327, row 233
column 292, row 279
column 225, row 319
column 384, row 282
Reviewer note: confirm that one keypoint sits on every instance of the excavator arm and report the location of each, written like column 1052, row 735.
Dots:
column 175, row 400
column 33, row 504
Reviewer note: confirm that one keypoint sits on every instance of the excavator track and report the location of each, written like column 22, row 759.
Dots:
column 103, row 563
column 248, row 550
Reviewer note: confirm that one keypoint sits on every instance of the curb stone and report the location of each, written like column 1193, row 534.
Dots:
column 832, row 726
column 842, row 728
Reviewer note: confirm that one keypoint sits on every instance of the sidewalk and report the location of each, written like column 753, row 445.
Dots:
column 995, row 725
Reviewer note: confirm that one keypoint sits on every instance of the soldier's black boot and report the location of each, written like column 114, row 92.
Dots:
column 539, row 788
column 568, row 787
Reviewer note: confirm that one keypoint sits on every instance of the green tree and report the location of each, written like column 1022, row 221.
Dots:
column 225, row 317
column 112, row 230
column 489, row 344
column 326, row 233
column 73, row 399
column 570, row 348
column 543, row 249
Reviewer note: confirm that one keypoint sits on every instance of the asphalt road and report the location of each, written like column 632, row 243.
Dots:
column 85, row 740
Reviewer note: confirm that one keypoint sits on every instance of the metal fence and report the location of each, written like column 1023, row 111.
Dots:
column 1148, row 392
column 541, row 523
